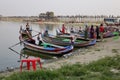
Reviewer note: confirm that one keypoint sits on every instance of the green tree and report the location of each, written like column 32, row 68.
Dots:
column 49, row 15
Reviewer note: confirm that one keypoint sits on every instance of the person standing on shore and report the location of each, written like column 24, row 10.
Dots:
column 97, row 32
column 92, row 32
column 86, row 32
column 101, row 31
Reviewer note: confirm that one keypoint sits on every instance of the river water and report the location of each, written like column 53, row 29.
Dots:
column 9, row 35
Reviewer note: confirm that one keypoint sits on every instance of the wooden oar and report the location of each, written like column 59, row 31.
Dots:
column 22, row 41
column 16, row 52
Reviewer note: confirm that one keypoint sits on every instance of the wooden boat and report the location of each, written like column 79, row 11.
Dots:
column 78, row 37
column 105, row 35
column 27, row 52
column 63, row 41
column 45, row 48
column 112, row 21
column 108, row 34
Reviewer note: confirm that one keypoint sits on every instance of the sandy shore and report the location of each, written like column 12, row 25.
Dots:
column 109, row 47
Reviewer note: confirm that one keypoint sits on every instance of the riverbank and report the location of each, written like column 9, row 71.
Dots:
column 67, row 24
column 109, row 47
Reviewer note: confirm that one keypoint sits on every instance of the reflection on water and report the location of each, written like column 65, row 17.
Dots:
column 45, row 58
column 9, row 35
column 50, row 27
column 29, row 53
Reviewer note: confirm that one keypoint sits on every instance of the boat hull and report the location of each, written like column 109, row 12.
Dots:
column 76, row 44
column 57, row 51
column 45, row 48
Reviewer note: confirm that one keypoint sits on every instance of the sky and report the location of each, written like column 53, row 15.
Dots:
column 59, row 7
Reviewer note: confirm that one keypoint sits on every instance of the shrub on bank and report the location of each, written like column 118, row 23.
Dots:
column 104, row 69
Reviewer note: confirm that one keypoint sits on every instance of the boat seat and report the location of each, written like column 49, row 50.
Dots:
column 45, row 45
column 66, row 40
